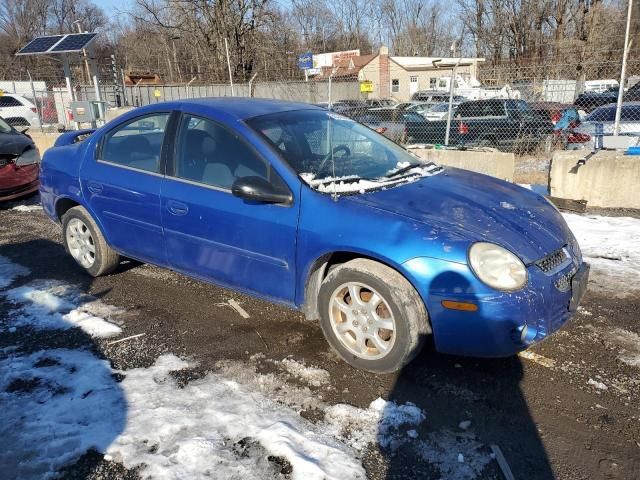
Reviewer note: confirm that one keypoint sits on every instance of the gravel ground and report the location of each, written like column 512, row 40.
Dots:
column 567, row 410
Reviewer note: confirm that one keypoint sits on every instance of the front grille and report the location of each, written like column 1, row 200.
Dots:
column 564, row 282
column 552, row 262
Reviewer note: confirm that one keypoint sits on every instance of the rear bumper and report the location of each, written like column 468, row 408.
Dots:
column 504, row 323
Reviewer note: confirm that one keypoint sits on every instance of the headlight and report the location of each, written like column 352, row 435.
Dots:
column 28, row 157
column 497, row 266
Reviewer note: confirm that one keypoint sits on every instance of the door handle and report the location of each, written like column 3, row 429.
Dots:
column 94, row 187
column 177, row 208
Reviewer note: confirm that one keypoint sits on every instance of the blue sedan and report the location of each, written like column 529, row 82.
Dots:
column 301, row 206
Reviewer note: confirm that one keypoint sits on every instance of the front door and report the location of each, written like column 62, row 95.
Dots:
column 413, row 85
column 122, row 186
column 215, row 235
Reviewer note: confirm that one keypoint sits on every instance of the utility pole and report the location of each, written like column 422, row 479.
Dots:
column 623, row 73
column 84, row 53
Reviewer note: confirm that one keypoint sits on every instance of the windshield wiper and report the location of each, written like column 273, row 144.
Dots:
column 402, row 170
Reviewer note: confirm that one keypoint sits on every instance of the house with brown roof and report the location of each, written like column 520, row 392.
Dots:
column 400, row 77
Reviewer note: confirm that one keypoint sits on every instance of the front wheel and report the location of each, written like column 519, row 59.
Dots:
column 372, row 316
column 86, row 244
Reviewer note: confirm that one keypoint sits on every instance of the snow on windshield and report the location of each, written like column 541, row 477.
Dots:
column 353, row 183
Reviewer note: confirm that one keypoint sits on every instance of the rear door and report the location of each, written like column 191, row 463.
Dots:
column 122, row 185
column 215, row 235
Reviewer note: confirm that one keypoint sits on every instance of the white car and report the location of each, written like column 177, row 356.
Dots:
column 18, row 111
column 583, row 136
column 433, row 112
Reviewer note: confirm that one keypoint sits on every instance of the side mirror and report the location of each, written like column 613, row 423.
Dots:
column 257, row 189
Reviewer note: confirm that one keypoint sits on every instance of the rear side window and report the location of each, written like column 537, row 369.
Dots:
column 7, row 101
column 137, row 144
column 213, row 155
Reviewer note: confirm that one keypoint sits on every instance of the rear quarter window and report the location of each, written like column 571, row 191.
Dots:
column 8, row 101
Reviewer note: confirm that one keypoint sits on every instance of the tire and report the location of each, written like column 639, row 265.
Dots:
column 80, row 235
column 400, row 306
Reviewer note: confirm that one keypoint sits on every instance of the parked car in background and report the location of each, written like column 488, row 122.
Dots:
column 439, row 111
column 338, row 107
column 590, row 101
column 392, row 252
column 565, row 118
column 583, row 136
column 19, row 163
column 508, row 125
column 380, row 102
column 390, row 122
column 434, row 96
column 18, row 111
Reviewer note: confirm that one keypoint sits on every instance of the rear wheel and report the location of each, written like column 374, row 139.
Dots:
column 86, row 244
column 372, row 316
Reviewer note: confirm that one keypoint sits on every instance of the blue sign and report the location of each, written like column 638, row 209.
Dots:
column 305, row 61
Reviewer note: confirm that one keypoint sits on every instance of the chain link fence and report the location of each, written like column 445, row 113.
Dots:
column 522, row 109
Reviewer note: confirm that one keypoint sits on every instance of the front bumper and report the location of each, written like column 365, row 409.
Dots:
column 505, row 322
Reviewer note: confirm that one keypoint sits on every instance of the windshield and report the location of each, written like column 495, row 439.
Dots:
column 4, row 127
column 323, row 148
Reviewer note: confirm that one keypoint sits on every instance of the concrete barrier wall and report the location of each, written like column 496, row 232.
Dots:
column 609, row 179
column 487, row 161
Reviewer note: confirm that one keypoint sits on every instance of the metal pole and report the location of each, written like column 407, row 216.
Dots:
column 450, row 109
column 96, row 86
column 226, row 46
column 251, row 84
column 330, row 78
column 35, row 100
column 67, row 79
column 616, row 125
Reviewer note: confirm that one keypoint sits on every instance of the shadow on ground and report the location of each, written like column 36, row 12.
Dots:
column 470, row 405
column 59, row 397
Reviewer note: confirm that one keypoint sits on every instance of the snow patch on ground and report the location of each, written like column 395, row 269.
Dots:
column 458, row 456
column 27, row 208
column 612, row 246
column 56, row 404
column 627, row 342
column 52, row 305
column 381, row 423
column 313, row 376
column 9, row 271
column 194, row 431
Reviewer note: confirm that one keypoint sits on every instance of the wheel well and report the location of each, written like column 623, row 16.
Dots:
column 63, row 205
column 319, row 271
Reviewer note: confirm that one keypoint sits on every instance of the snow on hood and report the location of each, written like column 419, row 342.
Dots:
column 353, row 184
column 478, row 208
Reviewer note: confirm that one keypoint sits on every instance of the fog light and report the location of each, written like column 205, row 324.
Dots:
column 528, row 334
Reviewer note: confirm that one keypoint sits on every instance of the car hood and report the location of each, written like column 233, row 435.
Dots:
column 13, row 143
column 478, row 208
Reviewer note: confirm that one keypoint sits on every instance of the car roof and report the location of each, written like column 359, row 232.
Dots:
column 243, row 108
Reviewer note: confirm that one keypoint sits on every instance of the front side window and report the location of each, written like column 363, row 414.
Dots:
column 209, row 153
column 136, row 144
column 395, row 85
column 321, row 146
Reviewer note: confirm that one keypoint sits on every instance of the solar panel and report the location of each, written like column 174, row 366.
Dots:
column 40, row 44
column 73, row 42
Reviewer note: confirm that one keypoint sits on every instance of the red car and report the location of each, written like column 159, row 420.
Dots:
column 19, row 163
